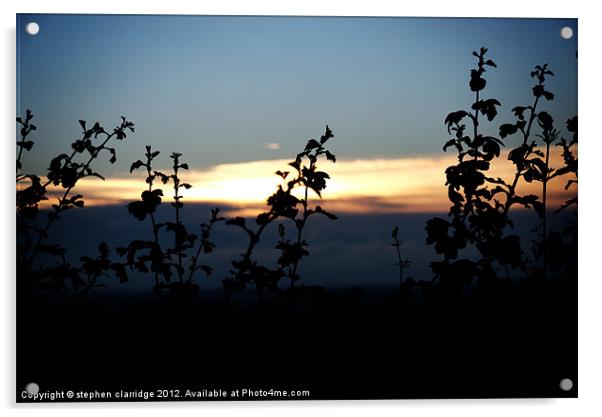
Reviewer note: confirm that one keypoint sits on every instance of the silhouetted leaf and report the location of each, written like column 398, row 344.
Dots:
column 320, row 210
column 237, row 221
column 487, row 107
column 545, row 120
column 283, row 203
column 151, row 199
column 529, row 201
column 137, row 209
column 95, row 174
column 136, row 165
column 69, row 177
column 517, row 155
column 538, row 90
column 327, row 135
column 454, row 118
column 477, row 83
column 311, row 144
column 454, row 196
column 571, row 126
column 452, row 142
column 263, row 218
column 120, row 272
column 316, row 180
column 519, row 111
column 296, row 164
column 508, row 129
column 26, row 144
column 491, row 150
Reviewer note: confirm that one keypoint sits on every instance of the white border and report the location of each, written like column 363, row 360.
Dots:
column 590, row 291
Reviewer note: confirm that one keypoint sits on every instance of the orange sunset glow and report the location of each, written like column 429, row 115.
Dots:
column 400, row 185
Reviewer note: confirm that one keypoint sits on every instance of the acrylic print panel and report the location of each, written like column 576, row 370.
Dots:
column 294, row 208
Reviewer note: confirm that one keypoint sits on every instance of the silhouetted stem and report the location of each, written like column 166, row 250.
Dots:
column 397, row 244
column 23, row 137
column 195, row 260
column 518, row 174
column 178, row 245
column 475, row 121
column 255, row 237
column 156, row 240
column 253, row 240
column 469, row 207
column 545, row 208
column 152, row 217
column 300, row 232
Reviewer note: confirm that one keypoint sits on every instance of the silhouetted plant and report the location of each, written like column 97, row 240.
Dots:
column 570, row 161
column 533, row 163
column 94, row 268
column 149, row 255
column 205, row 245
column 182, row 240
column 288, row 256
column 283, row 204
column 475, row 218
column 26, row 128
column 559, row 251
column 146, row 207
column 555, row 252
column 478, row 217
column 401, row 263
column 64, row 172
column 526, row 157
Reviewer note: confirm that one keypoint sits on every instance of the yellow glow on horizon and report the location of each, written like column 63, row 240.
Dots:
column 413, row 184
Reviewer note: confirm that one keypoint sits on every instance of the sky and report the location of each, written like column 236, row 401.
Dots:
column 240, row 96
column 239, row 89
column 251, row 90
column 360, row 186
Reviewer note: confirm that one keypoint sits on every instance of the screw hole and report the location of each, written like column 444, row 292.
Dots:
column 32, row 388
column 32, row 28
column 566, row 384
column 566, row 32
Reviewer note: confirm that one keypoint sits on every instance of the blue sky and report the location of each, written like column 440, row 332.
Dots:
column 219, row 88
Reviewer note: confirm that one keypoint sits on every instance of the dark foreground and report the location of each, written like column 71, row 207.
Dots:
column 502, row 341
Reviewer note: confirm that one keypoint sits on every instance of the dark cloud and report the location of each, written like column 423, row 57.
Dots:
column 353, row 250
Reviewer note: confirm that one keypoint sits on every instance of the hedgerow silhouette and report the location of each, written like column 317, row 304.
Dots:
column 283, row 205
column 64, row 172
column 479, row 215
column 173, row 267
column 149, row 255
